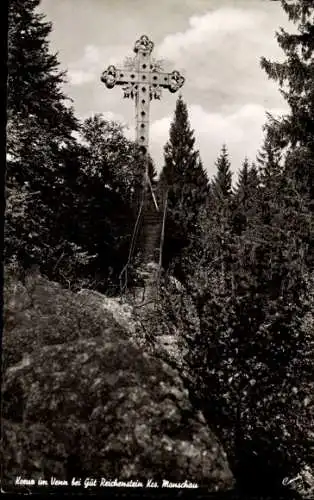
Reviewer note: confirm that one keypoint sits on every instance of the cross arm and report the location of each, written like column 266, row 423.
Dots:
column 115, row 76
column 118, row 76
column 171, row 81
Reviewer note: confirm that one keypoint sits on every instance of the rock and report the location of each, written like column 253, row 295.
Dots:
column 171, row 327
column 99, row 406
column 121, row 312
column 39, row 312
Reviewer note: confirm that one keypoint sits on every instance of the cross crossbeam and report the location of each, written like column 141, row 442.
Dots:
column 143, row 83
column 115, row 76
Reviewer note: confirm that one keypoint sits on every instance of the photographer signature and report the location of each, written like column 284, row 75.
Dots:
column 286, row 481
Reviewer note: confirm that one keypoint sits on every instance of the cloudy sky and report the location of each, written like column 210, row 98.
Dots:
column 215, row 44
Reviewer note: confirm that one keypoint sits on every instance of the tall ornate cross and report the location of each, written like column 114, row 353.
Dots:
column 142, row 83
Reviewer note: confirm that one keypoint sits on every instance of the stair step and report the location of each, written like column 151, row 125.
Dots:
column 151, row 220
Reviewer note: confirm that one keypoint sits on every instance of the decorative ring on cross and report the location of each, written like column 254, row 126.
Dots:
column 109, row 77
column 175, row 81
column 144, row 44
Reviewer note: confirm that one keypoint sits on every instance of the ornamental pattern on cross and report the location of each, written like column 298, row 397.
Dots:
column 142, row 83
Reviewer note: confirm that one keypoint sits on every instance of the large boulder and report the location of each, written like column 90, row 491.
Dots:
column 99, row 405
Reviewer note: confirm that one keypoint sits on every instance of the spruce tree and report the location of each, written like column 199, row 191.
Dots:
column 255, row 342
column 221, row 189
column 222, row 182
column 247, row 183
column 245, row 196
column 243, row 175
column 40, row 146
column 295, row 78
column 186, row 182
column 254, row 350
column 34, row 77
column 269, row 161
column 180, row 155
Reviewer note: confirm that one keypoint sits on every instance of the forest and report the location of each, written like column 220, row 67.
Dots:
column 236, row 294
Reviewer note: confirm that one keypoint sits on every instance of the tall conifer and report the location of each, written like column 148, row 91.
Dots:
column 186, row 182
column 295, row 78
column 41, row 151
column 222, row 182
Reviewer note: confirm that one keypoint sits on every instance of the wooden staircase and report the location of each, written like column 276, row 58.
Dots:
column 148, row 247
column 151, row 232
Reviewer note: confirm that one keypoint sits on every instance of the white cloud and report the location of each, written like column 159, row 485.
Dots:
column 80, row 77
column 219, row 55
column 240, row 129
column 212, row 28
column 220, row 52
column 92, row 54
column 93, row 61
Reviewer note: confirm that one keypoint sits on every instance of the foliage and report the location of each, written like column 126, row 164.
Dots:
column 269, row 160
column 184, row 180
column 245, row 197
column 252, row 288
column 40, row 142
column 295, row 77
column 108, row 194
column 222, row 183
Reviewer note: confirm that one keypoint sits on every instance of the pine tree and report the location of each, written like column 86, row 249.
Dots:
column 243, row 175
column 34, row 79
column 295, row 78
column 243, row 183
column 250, row 356
column 186, row 182
column 247, row 182
column 269, row 161
column 41, row 151
column 253, row 354
column 222, row 182
column 293, row 133
column 183, row 167
column 180, row 155
column 245, row 196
